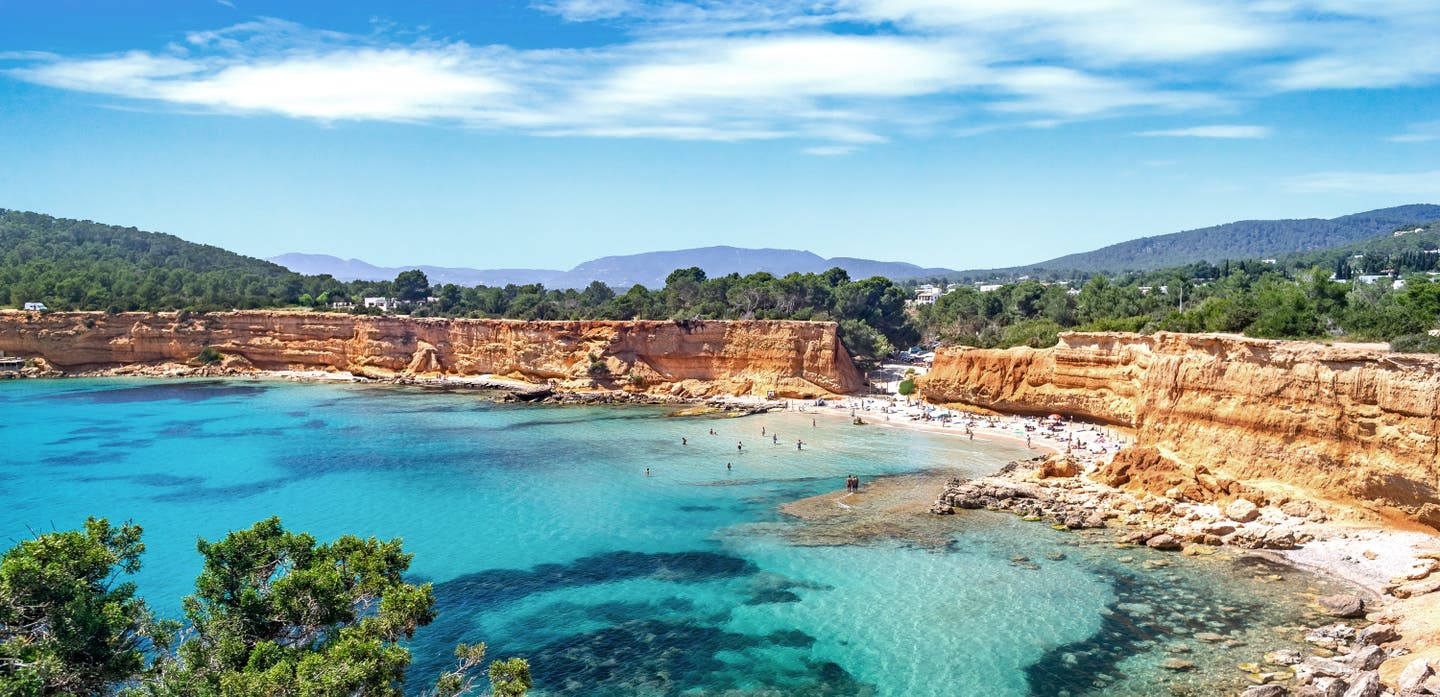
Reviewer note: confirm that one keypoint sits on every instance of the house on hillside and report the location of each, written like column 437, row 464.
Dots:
column 383, row 303
column 37, row 307
column 927, row 294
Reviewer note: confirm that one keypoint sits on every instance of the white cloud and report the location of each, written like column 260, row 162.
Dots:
column 1218, row 131
column 839, row 71
column 1418, row 133
column 830, row 150
column 1397, row 183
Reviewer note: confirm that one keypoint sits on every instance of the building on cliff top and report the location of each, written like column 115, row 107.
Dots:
column 37, row 307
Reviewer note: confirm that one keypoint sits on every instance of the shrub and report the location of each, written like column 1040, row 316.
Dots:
column 906, row 387
column 1415, row 343
column 208, row 356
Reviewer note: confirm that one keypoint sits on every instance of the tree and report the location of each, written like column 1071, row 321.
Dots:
column 412, row 285
column 906, row 387
column 273, row 610
column 65, row 626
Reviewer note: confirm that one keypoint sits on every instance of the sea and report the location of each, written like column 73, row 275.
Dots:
column 545, row 537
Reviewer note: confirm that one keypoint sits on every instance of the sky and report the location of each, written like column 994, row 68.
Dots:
column 542, row 133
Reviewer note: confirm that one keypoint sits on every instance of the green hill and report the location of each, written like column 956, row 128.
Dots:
column 78, row 264
column 1246, row 239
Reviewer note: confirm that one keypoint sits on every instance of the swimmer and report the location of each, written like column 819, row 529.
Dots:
column 727, row 467
column 739, row 445
column 647, row 471
column 683, row 441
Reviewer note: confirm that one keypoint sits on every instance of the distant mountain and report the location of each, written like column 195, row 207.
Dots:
column 357, row 270
column 648, row 269
column 1246, row 239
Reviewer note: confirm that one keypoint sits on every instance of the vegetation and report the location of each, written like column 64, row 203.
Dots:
column 1253, row 239
column 1330, row 292
column 274, row 613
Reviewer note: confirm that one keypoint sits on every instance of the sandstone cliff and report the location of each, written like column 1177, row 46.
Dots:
column 698, row 358
column 1218, row 417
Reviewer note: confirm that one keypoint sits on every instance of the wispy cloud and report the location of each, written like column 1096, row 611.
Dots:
column 1217, row 131
column 843, row 72
column 1418, row 133
column 1425, row 183
column 830, row 150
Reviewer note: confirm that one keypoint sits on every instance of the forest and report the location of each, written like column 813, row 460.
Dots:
column 1380, row 289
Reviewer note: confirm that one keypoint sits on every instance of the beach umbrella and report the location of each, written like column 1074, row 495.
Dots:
column 1056, row 417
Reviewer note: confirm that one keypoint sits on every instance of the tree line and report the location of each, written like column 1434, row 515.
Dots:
column 274, row 612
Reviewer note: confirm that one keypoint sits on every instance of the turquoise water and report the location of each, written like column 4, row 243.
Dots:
column 545, row 538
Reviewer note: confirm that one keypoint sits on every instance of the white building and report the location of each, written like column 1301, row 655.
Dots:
column 38, row 307
column 382, row 303
column 927, row 294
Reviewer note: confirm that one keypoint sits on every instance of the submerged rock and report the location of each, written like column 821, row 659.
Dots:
column 1342, row 605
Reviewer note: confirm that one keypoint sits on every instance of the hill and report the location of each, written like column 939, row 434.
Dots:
column 648, row 269
column 1245, row 239
column 87, row 265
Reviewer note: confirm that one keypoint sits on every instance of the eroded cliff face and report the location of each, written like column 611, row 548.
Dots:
column 792, row 359
column 1218, row 416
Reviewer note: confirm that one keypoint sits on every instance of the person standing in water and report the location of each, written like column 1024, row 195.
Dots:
column 740, row 445
column 799, row 444
column 647, row 471
column 683, row 441
column 727, row 467
column 775, row 438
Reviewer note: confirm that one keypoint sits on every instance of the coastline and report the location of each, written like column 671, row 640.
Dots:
column 1372, row 557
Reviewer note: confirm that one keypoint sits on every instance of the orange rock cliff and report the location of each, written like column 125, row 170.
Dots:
column 1217, row 416
column 693, row 359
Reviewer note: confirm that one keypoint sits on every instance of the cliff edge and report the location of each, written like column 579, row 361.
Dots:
column 1219, row 417
column 688, row 359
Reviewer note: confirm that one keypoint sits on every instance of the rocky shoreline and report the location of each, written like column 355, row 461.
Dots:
column 1376, row 646
column 511, row 390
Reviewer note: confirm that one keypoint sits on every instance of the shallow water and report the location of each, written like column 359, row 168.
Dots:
column 545, row 538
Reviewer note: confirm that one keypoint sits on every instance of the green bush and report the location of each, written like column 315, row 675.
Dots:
column 208, row 356
column 1415, row 343
column 906, row 387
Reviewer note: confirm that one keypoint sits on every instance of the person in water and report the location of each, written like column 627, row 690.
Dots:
column 775, row 438
column 727, row 467
column 647, row 471
column 683, row 441
column 739, row 445
column 799, row 444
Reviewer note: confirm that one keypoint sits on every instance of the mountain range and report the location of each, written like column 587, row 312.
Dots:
column 648, row 269
column 1246, row 239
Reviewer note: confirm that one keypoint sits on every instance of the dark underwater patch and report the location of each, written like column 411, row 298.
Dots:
column 187, row 391
column 1145, row 612
column 488, row 588
column 151, row 480
column 655, row 657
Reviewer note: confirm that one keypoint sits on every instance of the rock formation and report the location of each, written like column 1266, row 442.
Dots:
column 1219, row 417
column 690, row 359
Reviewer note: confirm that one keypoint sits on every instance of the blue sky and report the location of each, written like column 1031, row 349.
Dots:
column 959, row 133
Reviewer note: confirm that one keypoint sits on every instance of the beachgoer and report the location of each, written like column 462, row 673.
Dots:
column 647, row 471
column 799, row 444
column 775, row 438
column 683, row 441
column 739, row 445
column 812, row 423
column 762, row 430
column 857, row 483
column 727, row 466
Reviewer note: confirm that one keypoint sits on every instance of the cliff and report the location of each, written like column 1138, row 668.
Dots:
column 1217, row 417
column 697, row 358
